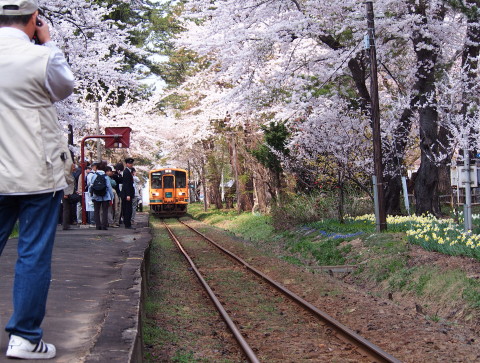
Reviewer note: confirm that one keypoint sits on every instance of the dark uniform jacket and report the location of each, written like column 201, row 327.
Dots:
column 127, row 188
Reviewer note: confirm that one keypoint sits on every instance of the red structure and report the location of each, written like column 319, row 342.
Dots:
column 122, row 137
column 115, row 137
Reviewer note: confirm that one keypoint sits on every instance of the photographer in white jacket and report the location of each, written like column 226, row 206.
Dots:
column 34, row 158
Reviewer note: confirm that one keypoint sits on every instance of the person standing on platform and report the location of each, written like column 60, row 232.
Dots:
column 67, row 204
column 128, row 193
column 112, row 209
column 136, row 199
column 34, row 159
column 102, row 194
column 88, row 178
column 117, row 177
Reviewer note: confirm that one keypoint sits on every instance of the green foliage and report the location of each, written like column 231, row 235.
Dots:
column 400, row 279
column 467, row 8
column 250, row 226
column 275, row 136
column 306, row 208
column 333, row 225
column 472, row 293
column 325, row 252
column 196, row 211
column 385, row 268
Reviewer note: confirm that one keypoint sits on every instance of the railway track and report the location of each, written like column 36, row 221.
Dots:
column 254, row 311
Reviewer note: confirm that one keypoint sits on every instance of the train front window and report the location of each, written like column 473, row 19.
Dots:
column 168, row 181
column 156, row 181
column 180, row 179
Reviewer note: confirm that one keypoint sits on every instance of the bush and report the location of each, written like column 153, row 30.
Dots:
column 298, row 209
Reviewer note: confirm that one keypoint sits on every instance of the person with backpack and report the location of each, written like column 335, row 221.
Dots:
column 89, row 172
column 102, row 195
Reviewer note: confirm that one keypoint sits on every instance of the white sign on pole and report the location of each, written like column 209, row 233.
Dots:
column 458, row 176
column 88, row 203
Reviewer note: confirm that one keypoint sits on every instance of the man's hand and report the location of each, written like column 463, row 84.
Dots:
column 42, row 31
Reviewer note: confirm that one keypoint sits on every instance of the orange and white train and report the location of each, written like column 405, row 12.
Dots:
column 168, row 192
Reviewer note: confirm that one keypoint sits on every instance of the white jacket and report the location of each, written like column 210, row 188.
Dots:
column 34, row 155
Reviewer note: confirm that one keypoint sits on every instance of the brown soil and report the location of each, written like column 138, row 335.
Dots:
column 399, row 326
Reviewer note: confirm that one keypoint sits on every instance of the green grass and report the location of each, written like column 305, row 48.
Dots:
column 326, row 252
column 183, row 357
column 333, row 225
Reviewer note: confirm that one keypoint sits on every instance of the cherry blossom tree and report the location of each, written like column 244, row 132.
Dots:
column 108, row 45
column 304, row 60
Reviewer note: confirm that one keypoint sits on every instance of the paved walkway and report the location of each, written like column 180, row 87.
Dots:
column 94, row 305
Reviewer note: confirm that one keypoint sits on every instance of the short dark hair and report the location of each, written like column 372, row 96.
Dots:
column 119, row 167
column 108, row 168
column 6, row 20
column 102, row 165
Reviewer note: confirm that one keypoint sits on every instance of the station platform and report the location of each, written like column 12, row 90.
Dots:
column 96, row 296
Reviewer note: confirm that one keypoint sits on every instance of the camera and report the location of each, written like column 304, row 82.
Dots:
column 38, row 22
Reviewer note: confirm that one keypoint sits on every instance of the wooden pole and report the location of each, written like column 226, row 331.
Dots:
column 375, row 114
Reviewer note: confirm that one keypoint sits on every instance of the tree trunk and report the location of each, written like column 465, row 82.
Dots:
column 216, row 195
column 426, row 184
column 394, row 158
column 204, row 186
column 341, row 196
column 444, row 185
column 427, row 179
column 235, row 169
column 247, row 196
column 243, row 178
column 262, row 196
column 70, row 140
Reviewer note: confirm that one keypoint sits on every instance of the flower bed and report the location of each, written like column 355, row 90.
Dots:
column 441, row 235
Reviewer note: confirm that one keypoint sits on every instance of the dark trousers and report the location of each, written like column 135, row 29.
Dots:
column 66, row 213
column 127, row 212
column 101, row 210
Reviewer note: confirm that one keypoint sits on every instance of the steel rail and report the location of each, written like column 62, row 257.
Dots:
column 233, row 328
column 347, row 334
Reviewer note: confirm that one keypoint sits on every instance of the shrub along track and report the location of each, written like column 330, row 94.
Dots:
column 277, row 329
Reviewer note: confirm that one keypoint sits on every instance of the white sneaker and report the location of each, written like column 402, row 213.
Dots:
column 19, row 347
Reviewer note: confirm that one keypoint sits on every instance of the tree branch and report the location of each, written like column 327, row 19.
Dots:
column 297, row 4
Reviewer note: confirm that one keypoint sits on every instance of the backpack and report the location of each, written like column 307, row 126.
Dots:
column 99, row 186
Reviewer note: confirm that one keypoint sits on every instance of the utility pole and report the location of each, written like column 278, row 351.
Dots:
column 381, row 218
column 99, row 142
column 235, row 172
column 467, row 207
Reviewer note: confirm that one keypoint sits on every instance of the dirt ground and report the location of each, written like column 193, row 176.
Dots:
column 397, row 325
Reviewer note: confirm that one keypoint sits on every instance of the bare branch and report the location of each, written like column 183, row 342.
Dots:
column 297, row 4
